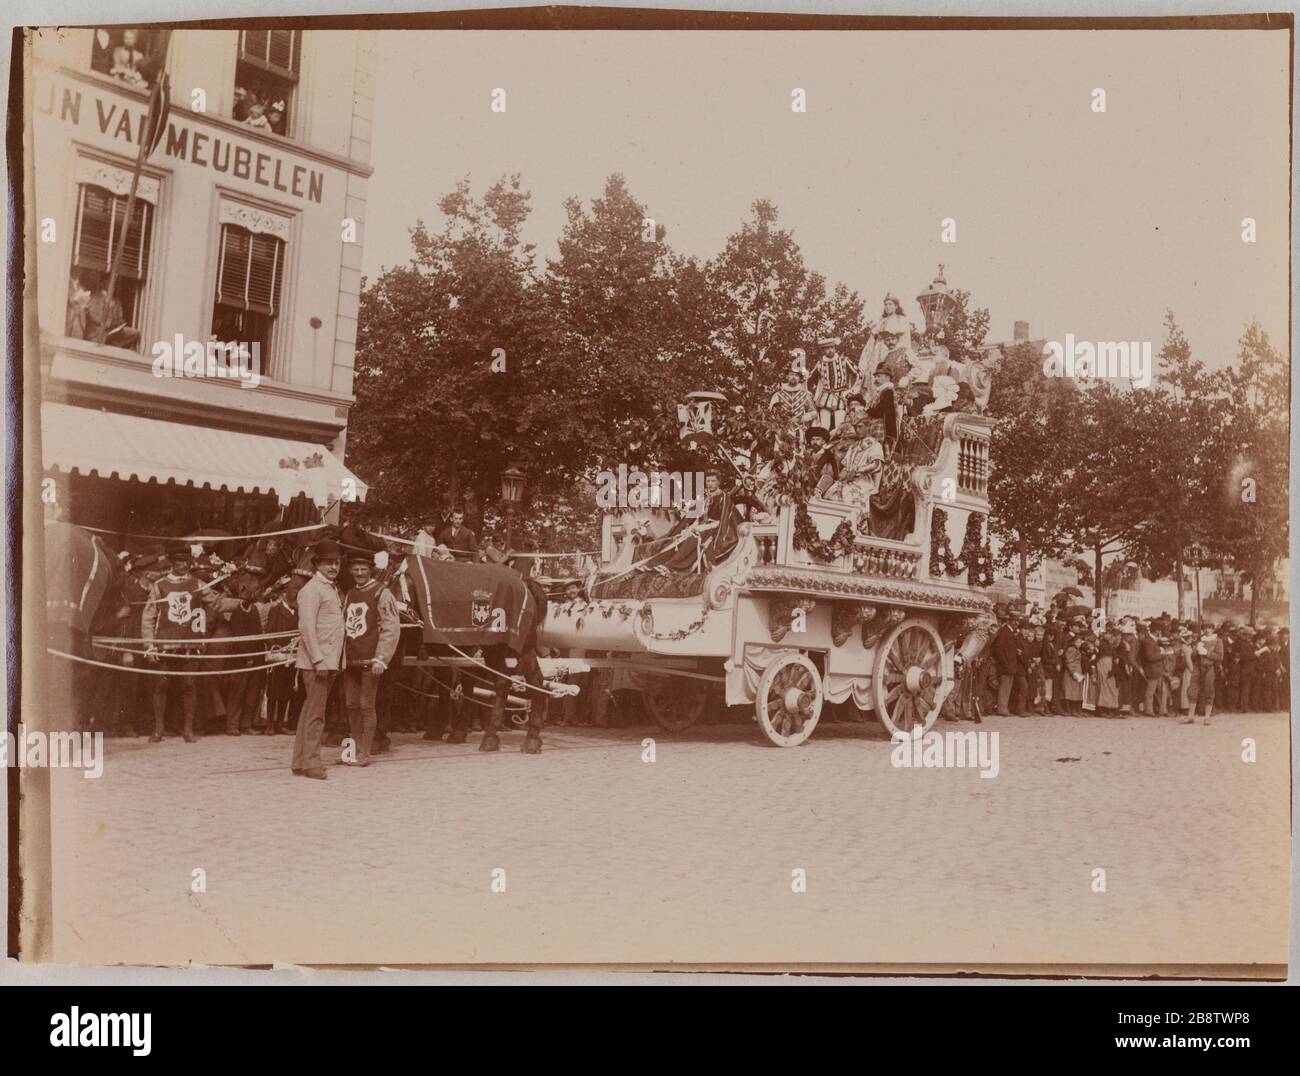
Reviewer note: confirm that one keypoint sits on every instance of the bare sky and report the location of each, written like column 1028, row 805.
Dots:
column 1086, row 223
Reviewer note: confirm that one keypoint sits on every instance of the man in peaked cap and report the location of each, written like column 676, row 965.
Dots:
column 371, row 630
column 171, row 620
column 320, row 654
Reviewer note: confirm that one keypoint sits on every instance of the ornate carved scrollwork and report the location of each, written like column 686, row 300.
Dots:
column 881, row 622
column 845, row 616
column 781, row 611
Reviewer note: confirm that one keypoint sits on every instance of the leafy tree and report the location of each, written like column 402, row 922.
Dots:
column 454, row 381
column 1178, row 434
column 633, row 320
column 1254, row 479
column 1030, row 466
column 1101, row 504
column 770, row 305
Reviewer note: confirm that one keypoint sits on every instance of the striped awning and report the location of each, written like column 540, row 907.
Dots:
column 113, row 445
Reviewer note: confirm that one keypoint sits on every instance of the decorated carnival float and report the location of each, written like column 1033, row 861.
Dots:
column 843, row 559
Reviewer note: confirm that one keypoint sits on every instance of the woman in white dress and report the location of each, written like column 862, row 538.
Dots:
column 892, row 333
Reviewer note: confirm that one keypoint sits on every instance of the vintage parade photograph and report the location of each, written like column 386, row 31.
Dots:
column 617, row 494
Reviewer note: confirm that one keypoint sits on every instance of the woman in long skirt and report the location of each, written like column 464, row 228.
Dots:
column 1108, row 694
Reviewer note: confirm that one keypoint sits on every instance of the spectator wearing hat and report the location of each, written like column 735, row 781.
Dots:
column 1152, row 661
column 284, row 692
column 1050, row 653
column 371, row 630
column 320, row 654
column 1247, row 665
column 1108, row 649
column 1073, row 676
column 1128, row 669
column 1184, row 682
column 1208, row 658
column 1008, row 656
column 1231, row 665
column 1166, row 698
column 129, row 697
column 1264, row 700
column 172, row 619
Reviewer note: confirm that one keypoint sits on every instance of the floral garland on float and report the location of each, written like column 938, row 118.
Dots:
column 942, row 559
column 976, row 553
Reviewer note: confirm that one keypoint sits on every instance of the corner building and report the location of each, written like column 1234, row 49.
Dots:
column 246, row 232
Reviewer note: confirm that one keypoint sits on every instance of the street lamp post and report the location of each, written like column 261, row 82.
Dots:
column 512, row 493
column 1197, row 555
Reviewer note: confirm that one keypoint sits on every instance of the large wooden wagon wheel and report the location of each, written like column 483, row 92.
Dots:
column 908, row 677
column 674, row 703
column 789, row 700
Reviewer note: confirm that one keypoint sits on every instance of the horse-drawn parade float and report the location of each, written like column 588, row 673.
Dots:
column 815, row 568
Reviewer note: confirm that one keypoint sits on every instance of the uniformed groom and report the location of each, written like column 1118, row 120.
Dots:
column 371, row 631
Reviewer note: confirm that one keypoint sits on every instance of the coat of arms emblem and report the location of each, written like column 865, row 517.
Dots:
column 355, row 625
column 178, row 606
column 481, row 610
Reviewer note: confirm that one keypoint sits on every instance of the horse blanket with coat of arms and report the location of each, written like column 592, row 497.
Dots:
column 471, row 604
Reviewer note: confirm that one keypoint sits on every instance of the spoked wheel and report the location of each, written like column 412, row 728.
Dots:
column 674, row 704
column 789, row 700
column 909, row 679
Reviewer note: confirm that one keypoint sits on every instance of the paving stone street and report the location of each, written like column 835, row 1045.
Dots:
column 689, row 858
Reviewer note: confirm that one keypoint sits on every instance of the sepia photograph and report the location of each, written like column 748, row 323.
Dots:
column 633, row 490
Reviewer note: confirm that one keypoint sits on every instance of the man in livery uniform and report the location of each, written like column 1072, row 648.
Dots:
column 175, row 615
column 370, row 628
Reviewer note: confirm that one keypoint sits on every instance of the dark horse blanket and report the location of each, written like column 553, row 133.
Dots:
column 473, row 604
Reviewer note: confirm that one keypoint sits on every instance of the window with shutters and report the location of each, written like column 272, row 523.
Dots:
column 250, row 281
column 266, row 77
column 99, row 227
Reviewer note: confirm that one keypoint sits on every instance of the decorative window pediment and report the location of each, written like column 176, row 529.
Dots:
column 253, row 219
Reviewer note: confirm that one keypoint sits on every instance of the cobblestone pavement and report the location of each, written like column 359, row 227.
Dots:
column 688, row 858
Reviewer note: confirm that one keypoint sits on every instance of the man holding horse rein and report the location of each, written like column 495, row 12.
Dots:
column 170, row 619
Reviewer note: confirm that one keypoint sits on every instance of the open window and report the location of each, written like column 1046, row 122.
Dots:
column 130, row 54
column 100, row 222
column 266, row 79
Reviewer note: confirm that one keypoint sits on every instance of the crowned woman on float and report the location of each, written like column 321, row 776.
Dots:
column 890, row 342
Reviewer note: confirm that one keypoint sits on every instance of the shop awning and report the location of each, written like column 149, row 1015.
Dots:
column 113, row 445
